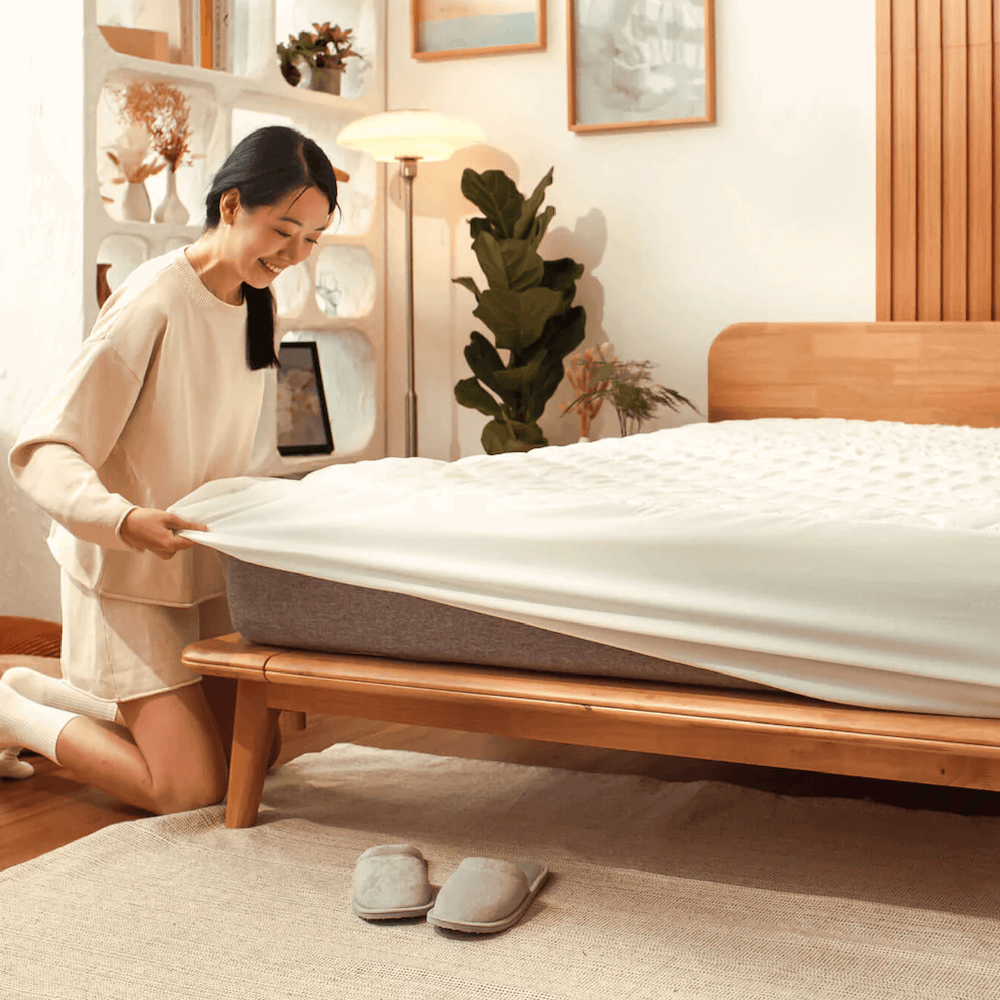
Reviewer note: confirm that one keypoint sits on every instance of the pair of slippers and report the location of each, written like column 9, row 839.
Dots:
column 482, row 895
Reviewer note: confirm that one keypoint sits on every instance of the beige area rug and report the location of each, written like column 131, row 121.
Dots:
column 658, row 890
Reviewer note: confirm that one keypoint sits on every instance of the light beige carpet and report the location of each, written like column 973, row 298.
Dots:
column 658, row 890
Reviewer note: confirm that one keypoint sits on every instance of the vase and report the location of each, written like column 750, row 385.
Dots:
column 172, row 209
column 326, row 79
column 135, row 204
column 103, row 288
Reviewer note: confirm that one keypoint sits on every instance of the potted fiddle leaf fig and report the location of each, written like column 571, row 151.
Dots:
column 527, row 307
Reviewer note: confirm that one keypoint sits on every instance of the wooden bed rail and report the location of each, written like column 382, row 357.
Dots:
column 775, row 730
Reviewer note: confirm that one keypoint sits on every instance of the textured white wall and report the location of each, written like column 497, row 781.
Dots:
column 767, row 215
column 41, row 280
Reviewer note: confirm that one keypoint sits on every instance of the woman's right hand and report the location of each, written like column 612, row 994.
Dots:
column 156, row 530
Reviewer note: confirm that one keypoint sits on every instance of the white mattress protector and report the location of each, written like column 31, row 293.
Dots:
column 851, row 561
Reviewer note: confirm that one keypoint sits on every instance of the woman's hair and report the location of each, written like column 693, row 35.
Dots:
column 265, row 167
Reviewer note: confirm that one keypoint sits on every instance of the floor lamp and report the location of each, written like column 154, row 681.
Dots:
column 409, row 136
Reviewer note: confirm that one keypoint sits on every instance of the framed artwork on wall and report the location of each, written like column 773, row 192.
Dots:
column 303, row 420
column 640, row 63
column 456, row 29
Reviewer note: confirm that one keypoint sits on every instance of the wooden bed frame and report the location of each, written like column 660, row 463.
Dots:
column 911, row 372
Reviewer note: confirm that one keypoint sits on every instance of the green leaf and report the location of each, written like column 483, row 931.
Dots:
column 539, row 226
column 531, row 206
column 470, row 284
column 562, row 274
column 517, row 319
column 491, row 260
column 517, row 380
column 563, row 334
column 504, row 436
column 496, row 196
column 479, row 225
column 484, row 361
column 525, row 269
column 470, row 393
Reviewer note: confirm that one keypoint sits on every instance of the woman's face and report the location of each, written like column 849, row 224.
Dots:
column 263, row 241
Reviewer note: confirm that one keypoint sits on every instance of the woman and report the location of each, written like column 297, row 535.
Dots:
column 165, row 396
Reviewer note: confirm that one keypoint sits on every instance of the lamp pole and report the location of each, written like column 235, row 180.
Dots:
column 408, row 171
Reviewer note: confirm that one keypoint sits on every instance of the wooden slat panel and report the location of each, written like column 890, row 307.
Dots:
column 929, row 160
column 996, row 159
column 955, row 124
column 980, row 132
column 904, row 160
column 883, row 161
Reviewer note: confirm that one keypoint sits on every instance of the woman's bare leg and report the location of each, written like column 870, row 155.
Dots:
column 168, row 760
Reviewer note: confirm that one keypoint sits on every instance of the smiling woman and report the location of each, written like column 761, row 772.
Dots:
column 164, row 398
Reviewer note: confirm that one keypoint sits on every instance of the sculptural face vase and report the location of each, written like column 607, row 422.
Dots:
column 135, row 204
column 172, row 209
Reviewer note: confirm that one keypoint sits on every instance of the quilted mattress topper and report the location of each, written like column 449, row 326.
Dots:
column 856, row 561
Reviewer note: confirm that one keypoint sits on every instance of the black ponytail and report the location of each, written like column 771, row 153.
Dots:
column 265, row 167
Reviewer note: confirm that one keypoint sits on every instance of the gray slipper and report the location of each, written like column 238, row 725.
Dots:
column 390, row 881
column 484, row 895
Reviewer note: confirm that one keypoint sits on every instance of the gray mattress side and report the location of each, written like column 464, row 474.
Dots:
column 279, row 608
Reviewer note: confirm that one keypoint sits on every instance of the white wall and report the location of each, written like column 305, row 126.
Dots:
column 41, row 254
column 767, row 215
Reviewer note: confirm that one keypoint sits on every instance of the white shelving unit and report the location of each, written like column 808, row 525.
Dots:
column 337, row 297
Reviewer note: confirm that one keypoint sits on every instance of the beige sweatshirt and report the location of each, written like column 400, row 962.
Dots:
column 159, row 402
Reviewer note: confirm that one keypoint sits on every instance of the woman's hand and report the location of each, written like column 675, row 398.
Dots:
column 156, row 530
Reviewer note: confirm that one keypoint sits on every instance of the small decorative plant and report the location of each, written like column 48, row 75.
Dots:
column 163, row 112
column 130, row 154
column 582, row 377
column 527, row 307
column 630, row 390
column 314, row 48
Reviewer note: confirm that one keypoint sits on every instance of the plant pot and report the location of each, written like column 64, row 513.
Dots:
column 135, row 204
column 326, row 79
column 172, row 209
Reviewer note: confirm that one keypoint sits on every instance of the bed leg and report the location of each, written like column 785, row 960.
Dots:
column 253, row 733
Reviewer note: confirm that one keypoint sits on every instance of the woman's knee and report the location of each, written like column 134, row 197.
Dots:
column 175, row 796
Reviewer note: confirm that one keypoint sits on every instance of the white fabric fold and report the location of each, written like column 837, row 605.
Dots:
column 847, row 560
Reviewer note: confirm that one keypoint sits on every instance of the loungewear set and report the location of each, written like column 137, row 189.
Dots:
column 160, row 401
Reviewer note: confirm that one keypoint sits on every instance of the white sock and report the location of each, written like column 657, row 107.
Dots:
column 25, row 723
column 56, row 693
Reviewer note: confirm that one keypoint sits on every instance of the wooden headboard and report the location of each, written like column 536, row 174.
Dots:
column 916, row 373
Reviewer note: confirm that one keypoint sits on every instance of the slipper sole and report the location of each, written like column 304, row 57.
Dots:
column 492, row 926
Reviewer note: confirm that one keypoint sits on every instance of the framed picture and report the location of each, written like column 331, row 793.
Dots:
column 454, row 29
column 640, row 63
column 303, row 421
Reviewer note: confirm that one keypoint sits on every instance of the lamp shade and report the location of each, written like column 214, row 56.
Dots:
column 425, row 135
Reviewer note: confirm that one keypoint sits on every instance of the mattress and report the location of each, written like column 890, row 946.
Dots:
column 852, row 561
column 280, row 608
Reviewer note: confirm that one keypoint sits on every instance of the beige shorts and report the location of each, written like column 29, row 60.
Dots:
column 119, row 650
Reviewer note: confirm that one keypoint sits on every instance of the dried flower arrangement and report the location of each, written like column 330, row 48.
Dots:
column 164, row 113
column 581, row 376
column 313, row 47
column 130, row 154
column 632, row 393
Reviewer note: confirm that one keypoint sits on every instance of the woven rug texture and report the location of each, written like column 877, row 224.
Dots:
column 700, row 891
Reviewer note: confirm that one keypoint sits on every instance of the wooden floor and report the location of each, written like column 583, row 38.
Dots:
column 51, row 809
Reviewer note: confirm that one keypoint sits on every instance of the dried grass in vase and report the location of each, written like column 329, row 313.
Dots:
column 582, row 377
column 164, row 112
column 130, row 155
